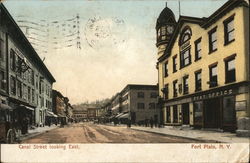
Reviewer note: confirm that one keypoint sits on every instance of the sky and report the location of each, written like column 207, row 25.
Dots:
column 116, row 39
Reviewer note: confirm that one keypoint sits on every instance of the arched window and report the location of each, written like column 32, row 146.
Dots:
column 185, row 35
column 185, row 47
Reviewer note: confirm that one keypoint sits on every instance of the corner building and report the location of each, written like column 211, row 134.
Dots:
column 203, row 68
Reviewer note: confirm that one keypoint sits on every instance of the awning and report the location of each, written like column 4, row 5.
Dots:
column 27, row 107
column 5, row 107
column 50, row 114
column 124, row 116
column 119, row 115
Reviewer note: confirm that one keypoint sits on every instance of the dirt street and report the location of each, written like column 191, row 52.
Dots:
column 95, row 133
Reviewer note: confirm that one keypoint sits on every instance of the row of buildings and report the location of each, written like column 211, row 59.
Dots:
column 25, row 82
column 203, row 68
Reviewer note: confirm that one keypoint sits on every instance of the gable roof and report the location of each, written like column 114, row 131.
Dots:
column 203, row 22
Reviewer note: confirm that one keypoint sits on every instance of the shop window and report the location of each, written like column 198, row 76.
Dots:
column 185, row 58
column 197, row 49
column 230, row 70
column 229, row 110
column 198, row 113
column 152, row 105
column 174, row 64
column 140, row 106
column 165, row 71
column 213, row 76
column 12, row 85
column 175, row 89
column 185, row 85
column 229, row 30
column 198, row 80
column 212, row 35
column 175, row 114
column 140, row 94
column 168, row 115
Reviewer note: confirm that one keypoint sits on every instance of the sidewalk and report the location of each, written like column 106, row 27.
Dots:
column 196, row 134
column 37, row 131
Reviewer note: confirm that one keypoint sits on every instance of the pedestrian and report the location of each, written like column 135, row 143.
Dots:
column 151, row 122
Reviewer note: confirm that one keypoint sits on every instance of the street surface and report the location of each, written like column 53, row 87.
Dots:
column 95, row 133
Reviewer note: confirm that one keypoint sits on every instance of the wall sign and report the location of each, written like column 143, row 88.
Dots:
column 214, row 94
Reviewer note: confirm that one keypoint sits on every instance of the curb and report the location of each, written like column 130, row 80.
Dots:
column 35, row 134
column 183, row 137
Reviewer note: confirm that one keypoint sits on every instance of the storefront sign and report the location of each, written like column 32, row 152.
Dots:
column 213, row 94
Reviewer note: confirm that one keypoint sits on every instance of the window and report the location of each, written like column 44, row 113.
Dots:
column 175, row 88
column 13, row 85
column 166, row 91
column 25, row 92
column 175, row 114
column 185, row 85
column 198, row 80
column 229, row 30
column 212, row 40
column 153, row 95
column 12, row 60
column 185, row 58
column 197, row 49
column 140, row 94
column 19, row 89
column 185, row 35
column 33, row 95
column 29, row 94
column 213, row 76
column 140, row 106
column 32, row 77
column 152, row 105
column 198, row 113
column 36, row 81
column 165, row 69
column 174, row 63
column 230, row 70
column 2, row 80
column 163, row 33
column 1, row 50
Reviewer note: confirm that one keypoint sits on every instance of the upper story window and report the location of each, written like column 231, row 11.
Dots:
column 12, row 85
column 185, row 35
column 230, row 72
column 185, row 85
column 198, row 80
column 165, row 69
column 152, row 105
column 212, row 35
column 140, row 106
column 2, row 80
column 175, row 63
column 12, row 60
column 1, row 50
column 140, row 94
column 175, row 89
column 153, row 95
column 229, row 30
column 197, row 49
column 166, row 94
column 213, row 76
column 185, row 58
column 19, row 88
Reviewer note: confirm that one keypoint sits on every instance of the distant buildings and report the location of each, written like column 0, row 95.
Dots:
column 136, row 103
column 203, row 68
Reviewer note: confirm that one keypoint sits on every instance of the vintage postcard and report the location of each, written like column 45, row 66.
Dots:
column 124, row 81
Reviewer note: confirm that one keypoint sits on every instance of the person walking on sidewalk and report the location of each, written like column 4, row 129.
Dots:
column 151, row 122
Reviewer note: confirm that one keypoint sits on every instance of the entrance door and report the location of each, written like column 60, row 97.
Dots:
column 212, row 113
column 185, row 113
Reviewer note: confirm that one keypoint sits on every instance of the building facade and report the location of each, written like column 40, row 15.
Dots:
column 25, row 82
column 80, row 115
column 203, row 68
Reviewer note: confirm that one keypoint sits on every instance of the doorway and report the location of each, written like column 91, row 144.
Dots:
column 185, row 113
column 212, row 113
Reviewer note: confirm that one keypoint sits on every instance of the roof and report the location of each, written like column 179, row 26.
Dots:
column 203, row 22
column 166, row 16
column 139, row 87
column 15, row 30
